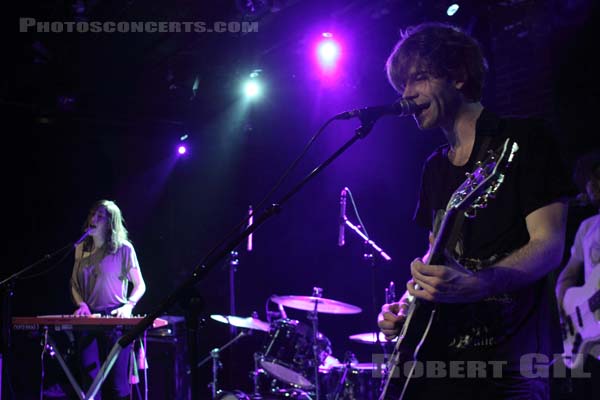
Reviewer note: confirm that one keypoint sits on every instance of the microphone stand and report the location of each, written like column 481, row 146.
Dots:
column 7, row 286
column 216, row 364
column 233, row 262
column 201, row 271
column 367, row 241
column 370, row 246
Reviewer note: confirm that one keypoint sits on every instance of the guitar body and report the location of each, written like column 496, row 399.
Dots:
column 581, row 321
column 408, row 349
column 421, row 317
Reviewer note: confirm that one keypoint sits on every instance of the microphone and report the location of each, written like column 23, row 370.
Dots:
column 82, row 238
column 402, row 108
column 342, row 220
column 250, row 222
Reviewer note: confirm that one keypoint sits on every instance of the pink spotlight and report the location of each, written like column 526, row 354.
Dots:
column 328, row 52
column 181, row 150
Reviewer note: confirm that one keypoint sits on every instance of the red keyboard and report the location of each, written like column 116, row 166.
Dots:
column 63, row 322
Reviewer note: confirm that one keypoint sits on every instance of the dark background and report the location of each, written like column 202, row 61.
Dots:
column 90, row 116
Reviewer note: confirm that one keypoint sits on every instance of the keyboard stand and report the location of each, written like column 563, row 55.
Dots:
column 52, row 344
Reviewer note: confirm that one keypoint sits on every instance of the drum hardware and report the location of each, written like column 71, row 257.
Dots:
column 216, row 363
column 295, row 355
column 317, row 292
column 255, row 374
column 349, row 360
column 314, row 304
column 248, row 324
column 370, row 338
column 352, row 381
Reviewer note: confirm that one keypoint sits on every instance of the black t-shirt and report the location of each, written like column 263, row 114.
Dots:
column 509, row 325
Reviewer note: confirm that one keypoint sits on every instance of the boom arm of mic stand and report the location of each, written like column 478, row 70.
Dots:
column 368, row 241
column 208, row 264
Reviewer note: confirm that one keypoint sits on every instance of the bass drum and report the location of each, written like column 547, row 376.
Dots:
column 282, row 394
column 271, row 388
column 235, row 395
column 288, row 353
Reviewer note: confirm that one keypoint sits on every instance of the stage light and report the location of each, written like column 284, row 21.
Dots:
column 452, row 9
column 181, row 147
column 328, row 51
column 252, row 87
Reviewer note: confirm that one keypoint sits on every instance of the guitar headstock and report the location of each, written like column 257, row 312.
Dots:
column 482, row 184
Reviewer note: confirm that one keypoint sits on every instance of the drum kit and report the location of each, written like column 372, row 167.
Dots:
column 296, row 360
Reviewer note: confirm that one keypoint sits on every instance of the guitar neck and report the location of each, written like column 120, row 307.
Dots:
column 446, row 237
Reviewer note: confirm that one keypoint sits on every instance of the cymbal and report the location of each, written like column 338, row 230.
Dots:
column 249, row 322
column 370, row 337
column 307, row 303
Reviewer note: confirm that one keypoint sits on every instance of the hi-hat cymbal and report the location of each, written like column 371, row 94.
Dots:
column 370, row 337
column 249, row 322
column 307, row 303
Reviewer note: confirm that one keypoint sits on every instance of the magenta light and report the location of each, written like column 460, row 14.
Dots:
column 181, row 150
column 328, row 53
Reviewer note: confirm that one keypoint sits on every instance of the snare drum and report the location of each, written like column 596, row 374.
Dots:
column 288, row 353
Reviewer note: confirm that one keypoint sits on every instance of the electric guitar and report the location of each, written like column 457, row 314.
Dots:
column 581, row 321
column 480, row 186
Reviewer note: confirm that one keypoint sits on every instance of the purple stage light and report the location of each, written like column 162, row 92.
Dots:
column 328, row 51
column 181, row 150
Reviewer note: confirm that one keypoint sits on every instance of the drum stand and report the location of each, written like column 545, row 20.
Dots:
column 313, row 316
column 349, row 359
column 256, row 395
column 216, row 364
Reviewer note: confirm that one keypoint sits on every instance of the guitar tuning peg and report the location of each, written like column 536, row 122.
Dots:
column 471, row 213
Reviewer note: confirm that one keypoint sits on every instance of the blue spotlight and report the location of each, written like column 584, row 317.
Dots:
column 252, row 87
column 452, row 9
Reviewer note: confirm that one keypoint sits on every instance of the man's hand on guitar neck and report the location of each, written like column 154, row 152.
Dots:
column 392, row 316
column 445, row 284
